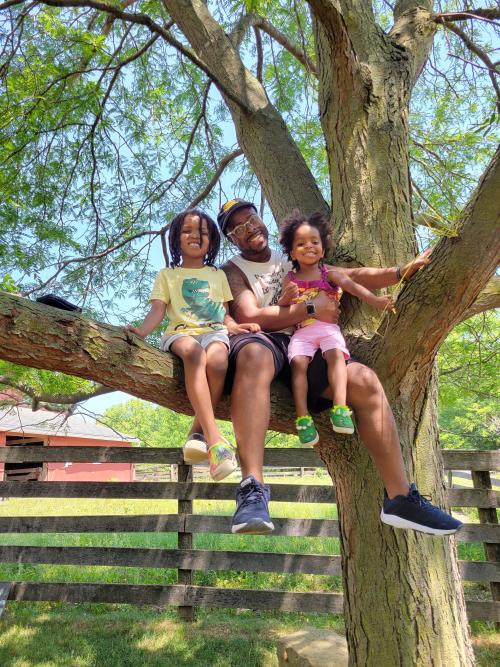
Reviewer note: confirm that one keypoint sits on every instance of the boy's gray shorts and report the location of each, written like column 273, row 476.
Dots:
column 203, row 339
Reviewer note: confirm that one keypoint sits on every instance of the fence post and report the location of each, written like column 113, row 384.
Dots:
column 185, row 540
column 482, row 480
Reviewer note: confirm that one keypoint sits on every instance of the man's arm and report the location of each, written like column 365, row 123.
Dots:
column 372, row 278
column 244, row 306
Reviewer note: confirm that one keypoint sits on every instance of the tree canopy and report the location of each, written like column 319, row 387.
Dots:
column 113, row 120
column 117, row 114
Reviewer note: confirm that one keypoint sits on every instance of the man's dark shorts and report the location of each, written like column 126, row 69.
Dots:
column 277, row 344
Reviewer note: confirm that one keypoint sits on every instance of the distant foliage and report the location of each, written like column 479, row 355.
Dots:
column 469, row 415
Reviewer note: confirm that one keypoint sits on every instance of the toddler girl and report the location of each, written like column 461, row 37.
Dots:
column 306, row 241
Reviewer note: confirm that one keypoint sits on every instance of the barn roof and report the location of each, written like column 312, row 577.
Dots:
column 20, row 419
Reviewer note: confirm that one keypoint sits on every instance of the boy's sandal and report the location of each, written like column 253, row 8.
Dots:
column 195, row 449
column 222, row 460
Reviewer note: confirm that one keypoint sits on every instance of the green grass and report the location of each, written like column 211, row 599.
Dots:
column 64, row 635
column 60, row 635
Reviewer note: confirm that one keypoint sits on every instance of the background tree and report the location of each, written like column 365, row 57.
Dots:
column 116, row 115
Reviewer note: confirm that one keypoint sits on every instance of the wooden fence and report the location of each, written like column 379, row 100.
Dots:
column 185, row 559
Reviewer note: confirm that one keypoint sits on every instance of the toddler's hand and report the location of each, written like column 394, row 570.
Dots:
column 289, row 294
column 253, row 327
column 245, row 327
column 134, row 330
column 327, row 309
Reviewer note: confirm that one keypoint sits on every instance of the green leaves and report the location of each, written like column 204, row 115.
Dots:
column 469, row 366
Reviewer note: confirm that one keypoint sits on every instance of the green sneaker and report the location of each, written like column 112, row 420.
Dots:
column 340, row 418
column 308, row 435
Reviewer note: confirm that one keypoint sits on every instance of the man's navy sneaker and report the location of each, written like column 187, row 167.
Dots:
column 417, row 513
column 252, row 514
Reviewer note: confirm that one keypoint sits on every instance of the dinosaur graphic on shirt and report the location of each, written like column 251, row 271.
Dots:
column 200, row 307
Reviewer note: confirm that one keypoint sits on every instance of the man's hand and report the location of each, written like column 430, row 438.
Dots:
column 327, row 310
column 385, row 302
column 409, row 270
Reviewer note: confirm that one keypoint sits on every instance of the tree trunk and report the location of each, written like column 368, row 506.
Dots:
column 404, row 603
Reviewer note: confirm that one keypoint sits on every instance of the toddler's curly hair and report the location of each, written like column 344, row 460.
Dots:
column 293, row 221
column 174, row 236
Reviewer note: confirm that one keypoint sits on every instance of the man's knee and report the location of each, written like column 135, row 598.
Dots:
column 254, row 361
column 362, row 382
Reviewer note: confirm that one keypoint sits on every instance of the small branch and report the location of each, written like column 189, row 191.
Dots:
column 60, row 399
column 144, row 19
column 274, row 33
column 488, row 15
column 215, row 178
column 482, row 55
column 260, row 54
column 11, row 3
column 96, row 256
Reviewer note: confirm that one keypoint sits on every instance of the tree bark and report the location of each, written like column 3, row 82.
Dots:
column 404, row 605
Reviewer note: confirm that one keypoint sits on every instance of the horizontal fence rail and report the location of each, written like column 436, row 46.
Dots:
column 185, row 524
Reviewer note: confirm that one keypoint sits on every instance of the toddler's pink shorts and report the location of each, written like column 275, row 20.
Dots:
column 318, row 336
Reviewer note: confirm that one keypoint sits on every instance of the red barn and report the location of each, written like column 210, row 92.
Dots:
column 19, row 426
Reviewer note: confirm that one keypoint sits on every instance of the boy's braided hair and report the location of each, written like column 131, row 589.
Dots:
column 293, row 221
column 174, row 236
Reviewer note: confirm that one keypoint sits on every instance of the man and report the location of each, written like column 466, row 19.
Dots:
column 255, row 276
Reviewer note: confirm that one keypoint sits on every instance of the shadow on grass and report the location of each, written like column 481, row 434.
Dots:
column 64, row 635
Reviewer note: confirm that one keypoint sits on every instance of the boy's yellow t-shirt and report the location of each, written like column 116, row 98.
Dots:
column 195, row 299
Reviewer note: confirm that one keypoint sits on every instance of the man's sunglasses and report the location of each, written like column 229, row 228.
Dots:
column 240, row 231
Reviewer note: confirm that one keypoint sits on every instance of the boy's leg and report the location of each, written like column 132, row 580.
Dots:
column 194, row 359
column 217, row 360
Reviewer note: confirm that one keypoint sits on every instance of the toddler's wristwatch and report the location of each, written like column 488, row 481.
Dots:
column 310, row 307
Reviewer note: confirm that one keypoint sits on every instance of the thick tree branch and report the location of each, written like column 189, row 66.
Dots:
column 403, row 6
column 39, row 336
column 489, row 299
column 438, row 298
column 262, row 133
column 355, row 18
column 413, row 31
